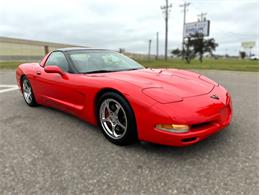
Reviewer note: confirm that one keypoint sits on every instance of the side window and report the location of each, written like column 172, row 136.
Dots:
column 58, row 59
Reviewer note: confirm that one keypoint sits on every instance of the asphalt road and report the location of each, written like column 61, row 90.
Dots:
column 45, row 151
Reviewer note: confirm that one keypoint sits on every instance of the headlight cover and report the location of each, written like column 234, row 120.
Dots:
column 174, row 128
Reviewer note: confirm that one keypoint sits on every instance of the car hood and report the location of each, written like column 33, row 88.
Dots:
column 166, row 85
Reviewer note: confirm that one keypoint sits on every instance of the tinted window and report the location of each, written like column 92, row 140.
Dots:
column 58, row 59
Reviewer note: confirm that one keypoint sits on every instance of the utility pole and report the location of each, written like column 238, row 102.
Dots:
column 201, row 16
column 184, row 5
column 165, row 9
column 157, row 46
column 149, row 49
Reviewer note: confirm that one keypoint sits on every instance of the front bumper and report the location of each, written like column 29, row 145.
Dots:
column 205, row 116
column 196, row 134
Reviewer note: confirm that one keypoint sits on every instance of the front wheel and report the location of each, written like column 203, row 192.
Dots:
column 28, row 92
column 116, row 119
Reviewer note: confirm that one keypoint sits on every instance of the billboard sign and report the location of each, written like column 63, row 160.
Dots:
column 248, row 44
column 196, row 27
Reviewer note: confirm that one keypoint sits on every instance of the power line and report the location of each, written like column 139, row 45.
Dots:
column 166, row 9
column 184, row 5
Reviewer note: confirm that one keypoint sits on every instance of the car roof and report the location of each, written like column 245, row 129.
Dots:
column 80, row 48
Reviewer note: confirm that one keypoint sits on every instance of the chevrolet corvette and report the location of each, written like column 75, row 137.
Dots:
column 128, row 101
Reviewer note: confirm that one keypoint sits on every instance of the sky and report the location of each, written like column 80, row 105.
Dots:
column 128, row 24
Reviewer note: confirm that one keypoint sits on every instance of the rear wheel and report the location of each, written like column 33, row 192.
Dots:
column 28, row 92
column 116, row 119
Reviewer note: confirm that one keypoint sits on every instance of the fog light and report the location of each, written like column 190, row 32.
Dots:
column 173, row 128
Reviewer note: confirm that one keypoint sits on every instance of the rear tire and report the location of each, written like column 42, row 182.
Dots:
column 116, row 119
column 28, row 94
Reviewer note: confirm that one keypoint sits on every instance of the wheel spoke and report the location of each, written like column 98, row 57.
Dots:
column 106, row 120
column 25, row 88
column 121, row 125
column 117, row 110
column 114, row 130
column 107, row 106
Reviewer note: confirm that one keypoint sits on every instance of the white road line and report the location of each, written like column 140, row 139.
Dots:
column 4, row 85
column 9, row 88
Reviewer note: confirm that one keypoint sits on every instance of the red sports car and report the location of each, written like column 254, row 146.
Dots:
column 129, row 102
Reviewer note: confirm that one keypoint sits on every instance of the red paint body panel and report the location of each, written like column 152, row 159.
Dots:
column 156, row 97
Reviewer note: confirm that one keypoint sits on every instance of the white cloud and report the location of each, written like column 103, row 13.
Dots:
column 126, row 24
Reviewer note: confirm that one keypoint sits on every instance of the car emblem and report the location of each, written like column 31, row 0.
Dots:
column 214, row 97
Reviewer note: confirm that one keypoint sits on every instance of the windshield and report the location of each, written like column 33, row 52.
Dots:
column 101, row 61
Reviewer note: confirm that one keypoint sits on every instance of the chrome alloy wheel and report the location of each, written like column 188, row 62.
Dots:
column 27, row 91
column 113, row 118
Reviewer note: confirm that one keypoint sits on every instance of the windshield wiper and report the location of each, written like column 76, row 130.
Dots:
column 131, row 69
column 97, row 71
column 104, row 71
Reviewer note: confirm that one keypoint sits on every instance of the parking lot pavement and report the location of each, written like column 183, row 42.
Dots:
column 46, row 151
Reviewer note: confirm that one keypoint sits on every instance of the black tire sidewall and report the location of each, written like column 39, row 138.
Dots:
column 131, row 133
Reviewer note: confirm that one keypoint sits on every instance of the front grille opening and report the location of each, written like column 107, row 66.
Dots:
column 201, row 125
column 189, row 139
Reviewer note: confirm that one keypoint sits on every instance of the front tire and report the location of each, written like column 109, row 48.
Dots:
column 28, row 94
column 116, row 119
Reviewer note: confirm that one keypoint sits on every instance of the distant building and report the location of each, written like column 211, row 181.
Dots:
column 12, row 49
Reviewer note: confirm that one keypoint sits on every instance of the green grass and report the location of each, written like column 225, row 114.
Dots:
column 9, row 65
column 218, row 64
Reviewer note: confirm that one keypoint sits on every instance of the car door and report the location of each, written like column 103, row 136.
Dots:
column 62, row 92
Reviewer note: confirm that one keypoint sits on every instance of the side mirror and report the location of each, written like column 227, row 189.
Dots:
column 55, row 69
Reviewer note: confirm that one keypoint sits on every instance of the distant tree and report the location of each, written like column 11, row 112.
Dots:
column 188, row 52
column 196, row 45
column 242, row 54
column 176, row 52
column 201, row 46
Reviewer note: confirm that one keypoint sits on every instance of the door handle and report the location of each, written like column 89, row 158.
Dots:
column 38, row 72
